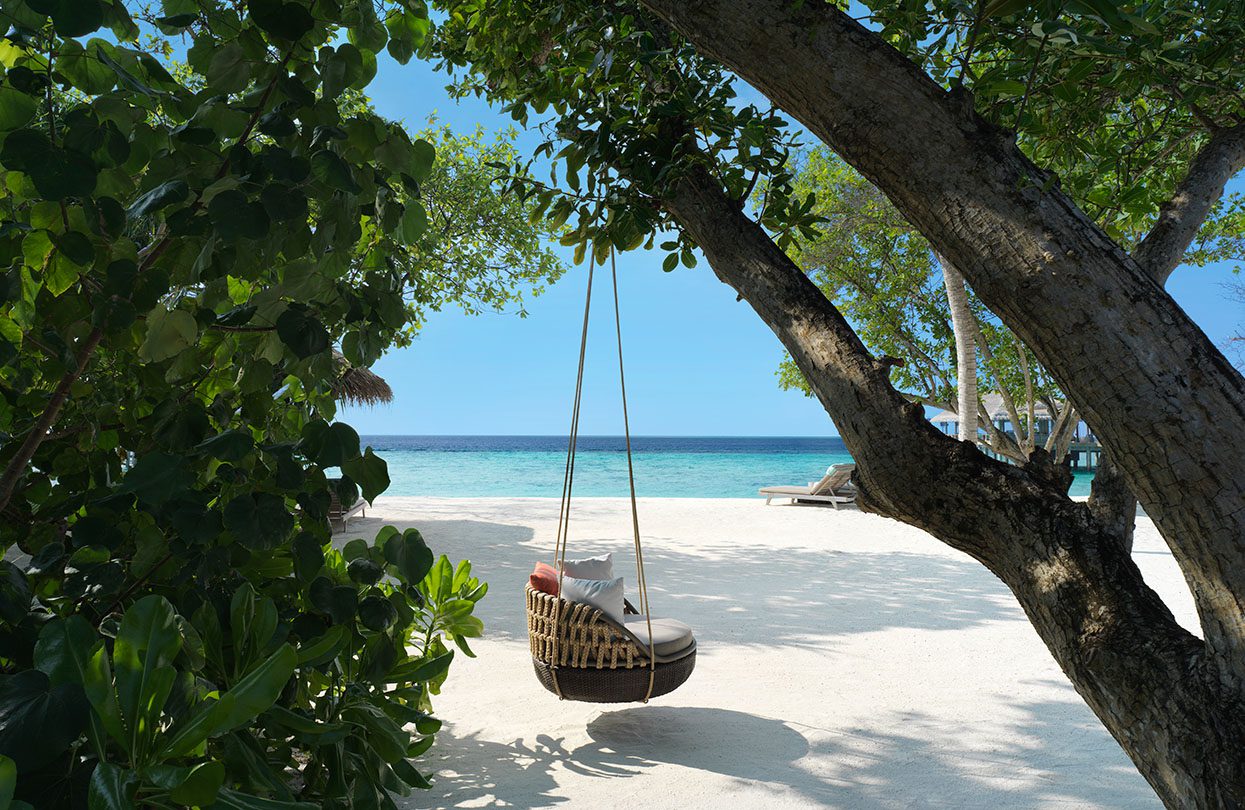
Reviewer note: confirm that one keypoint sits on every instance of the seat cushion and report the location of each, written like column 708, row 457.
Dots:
column 670, row 636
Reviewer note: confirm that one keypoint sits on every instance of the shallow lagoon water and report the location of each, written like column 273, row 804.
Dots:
column 670, row 467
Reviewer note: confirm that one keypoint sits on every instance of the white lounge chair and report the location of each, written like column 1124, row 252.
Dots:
column 834, row 488
column 340, row 515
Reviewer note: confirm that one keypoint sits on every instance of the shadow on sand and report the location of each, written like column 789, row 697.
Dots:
column 837, row 768
column 806, row 598
column 732, row 594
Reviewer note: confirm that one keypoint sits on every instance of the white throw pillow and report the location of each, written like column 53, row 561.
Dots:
column 590, row 568
column 605, row 594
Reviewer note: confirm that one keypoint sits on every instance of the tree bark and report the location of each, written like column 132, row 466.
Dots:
column 965, row 331
column 1164, row 400
column 1182, row 216
column 1149, row 680
column 1112, row 503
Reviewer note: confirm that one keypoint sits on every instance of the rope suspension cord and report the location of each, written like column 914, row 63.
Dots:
column 635, row 514
column 568, row 479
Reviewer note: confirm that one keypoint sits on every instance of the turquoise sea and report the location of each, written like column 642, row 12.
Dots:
column 665, row 466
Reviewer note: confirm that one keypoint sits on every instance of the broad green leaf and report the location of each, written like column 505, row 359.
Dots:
column 420, row 669
column 169, row 332
column 38, row 721
column 370, row 472
column 163, row 195
column 142, row 657
column 229, row 799
column 248, row 699
column 99, row 691
column 303, row 333
column 201, row 786
column 111, row 788
column 8, row 781
column 410, row 555
column 16, row 108
column 83, row 68
column 330, row 445
column 323, row 649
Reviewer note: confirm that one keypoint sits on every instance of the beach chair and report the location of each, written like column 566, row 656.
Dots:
column 339, row 514
column 834, row 488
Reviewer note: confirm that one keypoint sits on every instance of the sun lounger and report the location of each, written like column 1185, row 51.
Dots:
column 339, row 515
column 834, row 488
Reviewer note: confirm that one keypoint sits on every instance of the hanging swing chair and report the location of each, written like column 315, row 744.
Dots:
column 580, row 652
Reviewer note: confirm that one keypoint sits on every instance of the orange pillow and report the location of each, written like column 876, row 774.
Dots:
column 544, row 579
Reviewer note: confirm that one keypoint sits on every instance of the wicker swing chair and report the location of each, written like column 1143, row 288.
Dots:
column 578, row 651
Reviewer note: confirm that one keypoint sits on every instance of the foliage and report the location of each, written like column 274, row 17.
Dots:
column 180, row 250
column 1115, row 99
column 885, row 279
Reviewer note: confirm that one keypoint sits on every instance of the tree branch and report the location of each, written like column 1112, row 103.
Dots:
column 1182, row 215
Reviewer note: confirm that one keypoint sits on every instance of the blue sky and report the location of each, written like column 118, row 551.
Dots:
column 698, row 362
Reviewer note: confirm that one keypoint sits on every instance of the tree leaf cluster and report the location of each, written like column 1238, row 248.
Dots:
column 182, row 248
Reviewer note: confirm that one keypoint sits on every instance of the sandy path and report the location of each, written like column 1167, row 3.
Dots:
column 845, row 660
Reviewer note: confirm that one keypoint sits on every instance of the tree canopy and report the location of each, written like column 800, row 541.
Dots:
column 197, row 207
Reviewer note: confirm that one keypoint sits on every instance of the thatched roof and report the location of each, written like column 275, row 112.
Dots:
column 994, row 405
column 359, row 386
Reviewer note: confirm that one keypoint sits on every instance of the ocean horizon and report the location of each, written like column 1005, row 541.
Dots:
column 665, row 466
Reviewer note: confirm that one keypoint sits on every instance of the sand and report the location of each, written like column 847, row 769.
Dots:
column 845, row 660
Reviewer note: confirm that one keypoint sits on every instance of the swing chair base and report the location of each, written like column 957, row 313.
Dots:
column 593, row 685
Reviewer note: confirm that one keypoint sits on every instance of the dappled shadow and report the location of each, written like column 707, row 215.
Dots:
column 1052, row 756
column 735, row 594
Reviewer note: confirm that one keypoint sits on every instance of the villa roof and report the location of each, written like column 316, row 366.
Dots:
column 994, row 405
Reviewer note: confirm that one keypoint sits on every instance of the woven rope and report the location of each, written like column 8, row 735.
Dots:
column 571, row 634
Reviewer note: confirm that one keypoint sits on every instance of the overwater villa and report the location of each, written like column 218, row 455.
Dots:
column 1084, row 448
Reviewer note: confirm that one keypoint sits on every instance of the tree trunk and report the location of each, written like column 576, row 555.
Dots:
column 965, row 330
column 1164, row 400
column 1149, row 680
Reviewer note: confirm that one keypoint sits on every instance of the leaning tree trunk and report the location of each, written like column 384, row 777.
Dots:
column 1150, row 681
column 965, row 331
column 1165, row 401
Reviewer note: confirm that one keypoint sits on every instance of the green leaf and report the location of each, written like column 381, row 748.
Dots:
column 370, row 472
column 247, row 700
column 329, row 168
column 282, row 21
column 157, row 477
column 308, row 556
column 201, row 785
column 232, row 445
column 410, row 555
column 99, row 691
column 8, row 781
column 111, row 788
column 304, row 334
column 39, row 721
column 235, row 217
column 83, row 68
column 420, row 670
column 16, row 108
column 229, row 71
column 230, row 799
column 413, row 223
column 329, row 445
column 377, row 613
column 64, row 649
column 169, row 332
column 162, row 196
column 72, row 18
column 423, row 157
column 147, row 644
column 324, row 648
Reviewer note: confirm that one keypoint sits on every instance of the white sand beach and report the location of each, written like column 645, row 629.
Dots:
column 845, row 660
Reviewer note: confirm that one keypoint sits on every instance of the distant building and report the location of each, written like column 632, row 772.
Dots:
column 1084, row 448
